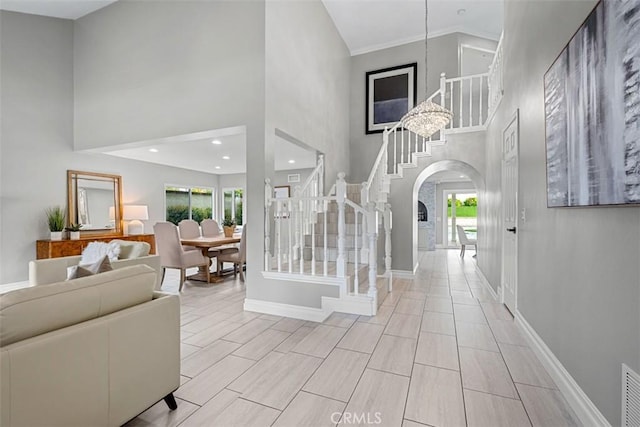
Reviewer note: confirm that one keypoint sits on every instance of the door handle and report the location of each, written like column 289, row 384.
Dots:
column 512, row 230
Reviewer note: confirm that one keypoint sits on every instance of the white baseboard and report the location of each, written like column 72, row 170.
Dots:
column 487, row 285
column 362, row 305
column 402, row 274
column 584, row 408
column 287, row 310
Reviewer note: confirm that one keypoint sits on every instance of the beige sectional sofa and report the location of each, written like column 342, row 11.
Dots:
column 52, row 270
column 94, row 351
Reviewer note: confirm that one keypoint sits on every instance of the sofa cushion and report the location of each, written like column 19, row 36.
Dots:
column 28, row 312
column 129, row 249
column 101, row 266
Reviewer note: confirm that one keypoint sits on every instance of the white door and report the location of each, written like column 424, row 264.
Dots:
column 510, row 214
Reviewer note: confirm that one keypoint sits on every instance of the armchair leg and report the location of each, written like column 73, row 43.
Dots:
column 170, row 400
column 182, row 278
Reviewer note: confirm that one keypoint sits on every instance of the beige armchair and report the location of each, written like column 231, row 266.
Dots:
column 173, row 255
column 237, row 258
column 464, row 241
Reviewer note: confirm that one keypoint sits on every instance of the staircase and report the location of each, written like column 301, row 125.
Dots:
column 333, row 239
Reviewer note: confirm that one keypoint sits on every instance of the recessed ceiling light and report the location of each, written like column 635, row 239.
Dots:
column 217, row 167
column 153, row 150
column 462, row 11
column 216, row 142
column 292, row 161
column 225, row 157
column 461, row 176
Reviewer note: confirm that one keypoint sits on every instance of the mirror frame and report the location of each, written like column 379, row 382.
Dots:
column 73, row 175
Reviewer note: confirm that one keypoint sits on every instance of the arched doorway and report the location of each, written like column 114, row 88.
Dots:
column 442, row 226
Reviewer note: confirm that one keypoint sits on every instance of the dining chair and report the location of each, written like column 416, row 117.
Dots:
column 189, row 229
column 173, row 255
column 237, row 258
column 464, row 241
column 210, row 228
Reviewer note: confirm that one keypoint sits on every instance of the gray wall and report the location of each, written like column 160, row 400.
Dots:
column 307, row 90
column 36, row 95
column 146, row 70
column 578, row 269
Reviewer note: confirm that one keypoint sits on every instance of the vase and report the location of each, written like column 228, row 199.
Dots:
column 74, row 235
column 228, row 231
column 56, row 235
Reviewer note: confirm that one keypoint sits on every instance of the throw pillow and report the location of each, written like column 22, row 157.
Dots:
column 96, row 250
column 102, row 265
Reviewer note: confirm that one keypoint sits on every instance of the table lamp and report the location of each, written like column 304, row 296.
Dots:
column 135, row 213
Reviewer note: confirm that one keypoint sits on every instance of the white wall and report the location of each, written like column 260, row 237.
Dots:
column 578, row 269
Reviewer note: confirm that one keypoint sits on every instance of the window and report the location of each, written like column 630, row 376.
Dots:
column 195, row 203
column 232, row 202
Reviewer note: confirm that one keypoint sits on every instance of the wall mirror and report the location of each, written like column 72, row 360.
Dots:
column 94, row 202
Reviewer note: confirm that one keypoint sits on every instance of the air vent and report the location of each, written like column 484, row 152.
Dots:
column 630, row 397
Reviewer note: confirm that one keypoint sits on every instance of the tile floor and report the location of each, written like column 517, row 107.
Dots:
column 440, row 352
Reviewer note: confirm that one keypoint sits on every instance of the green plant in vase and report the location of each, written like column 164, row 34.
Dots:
column 55, row 220
column 74, row 231
column 229, row 226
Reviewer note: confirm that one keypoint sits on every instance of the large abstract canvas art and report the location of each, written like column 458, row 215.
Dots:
column 592, row 111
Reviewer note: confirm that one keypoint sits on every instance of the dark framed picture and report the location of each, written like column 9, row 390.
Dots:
column 591, row 112
column 391, row 93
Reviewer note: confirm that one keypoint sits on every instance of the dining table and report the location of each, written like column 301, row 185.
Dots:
column 204, row 244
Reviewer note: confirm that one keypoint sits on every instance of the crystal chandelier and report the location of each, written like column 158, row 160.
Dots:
column 426, row 118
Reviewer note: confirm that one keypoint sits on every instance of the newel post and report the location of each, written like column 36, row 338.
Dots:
column 372, row 232
column 341, row 195
column 268, row 194
column 388, row 225
column 298, row 218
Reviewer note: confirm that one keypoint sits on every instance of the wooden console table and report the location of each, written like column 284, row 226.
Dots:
column 60, row 248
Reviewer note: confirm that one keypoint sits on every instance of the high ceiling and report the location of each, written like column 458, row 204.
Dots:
column 368, row 25
column 67, row 9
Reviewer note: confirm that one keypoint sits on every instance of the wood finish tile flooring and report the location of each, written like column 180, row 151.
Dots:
column 440, row 352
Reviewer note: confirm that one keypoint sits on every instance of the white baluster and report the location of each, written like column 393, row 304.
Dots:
column 268, row 194
column 356, row 281
column 372, row 229
column 278, row 234
column 461, row 124
column 471, row 101
column 290, row 233
column 364, row 252
column 387, row 241
column 341, row 193
column 395, row 132
column 297, row 249
column 300, row 233
column 325, row 257
column 481, row 114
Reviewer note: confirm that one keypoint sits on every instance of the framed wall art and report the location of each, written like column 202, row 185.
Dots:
column 390, row 94
column 592, row 114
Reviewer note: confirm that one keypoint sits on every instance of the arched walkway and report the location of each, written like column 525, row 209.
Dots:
column 440, row 166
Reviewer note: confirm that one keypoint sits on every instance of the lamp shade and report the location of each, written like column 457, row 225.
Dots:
column 132, row 212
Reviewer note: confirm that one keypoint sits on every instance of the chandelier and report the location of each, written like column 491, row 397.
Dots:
column 426, row 118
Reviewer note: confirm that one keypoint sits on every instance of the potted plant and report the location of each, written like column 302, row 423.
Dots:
column 229, row 226
column 55, row 220
column 74, row 231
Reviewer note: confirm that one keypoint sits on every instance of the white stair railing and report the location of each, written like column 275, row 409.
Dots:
column 495, row 82
column 354, row 243
column 312, row 188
